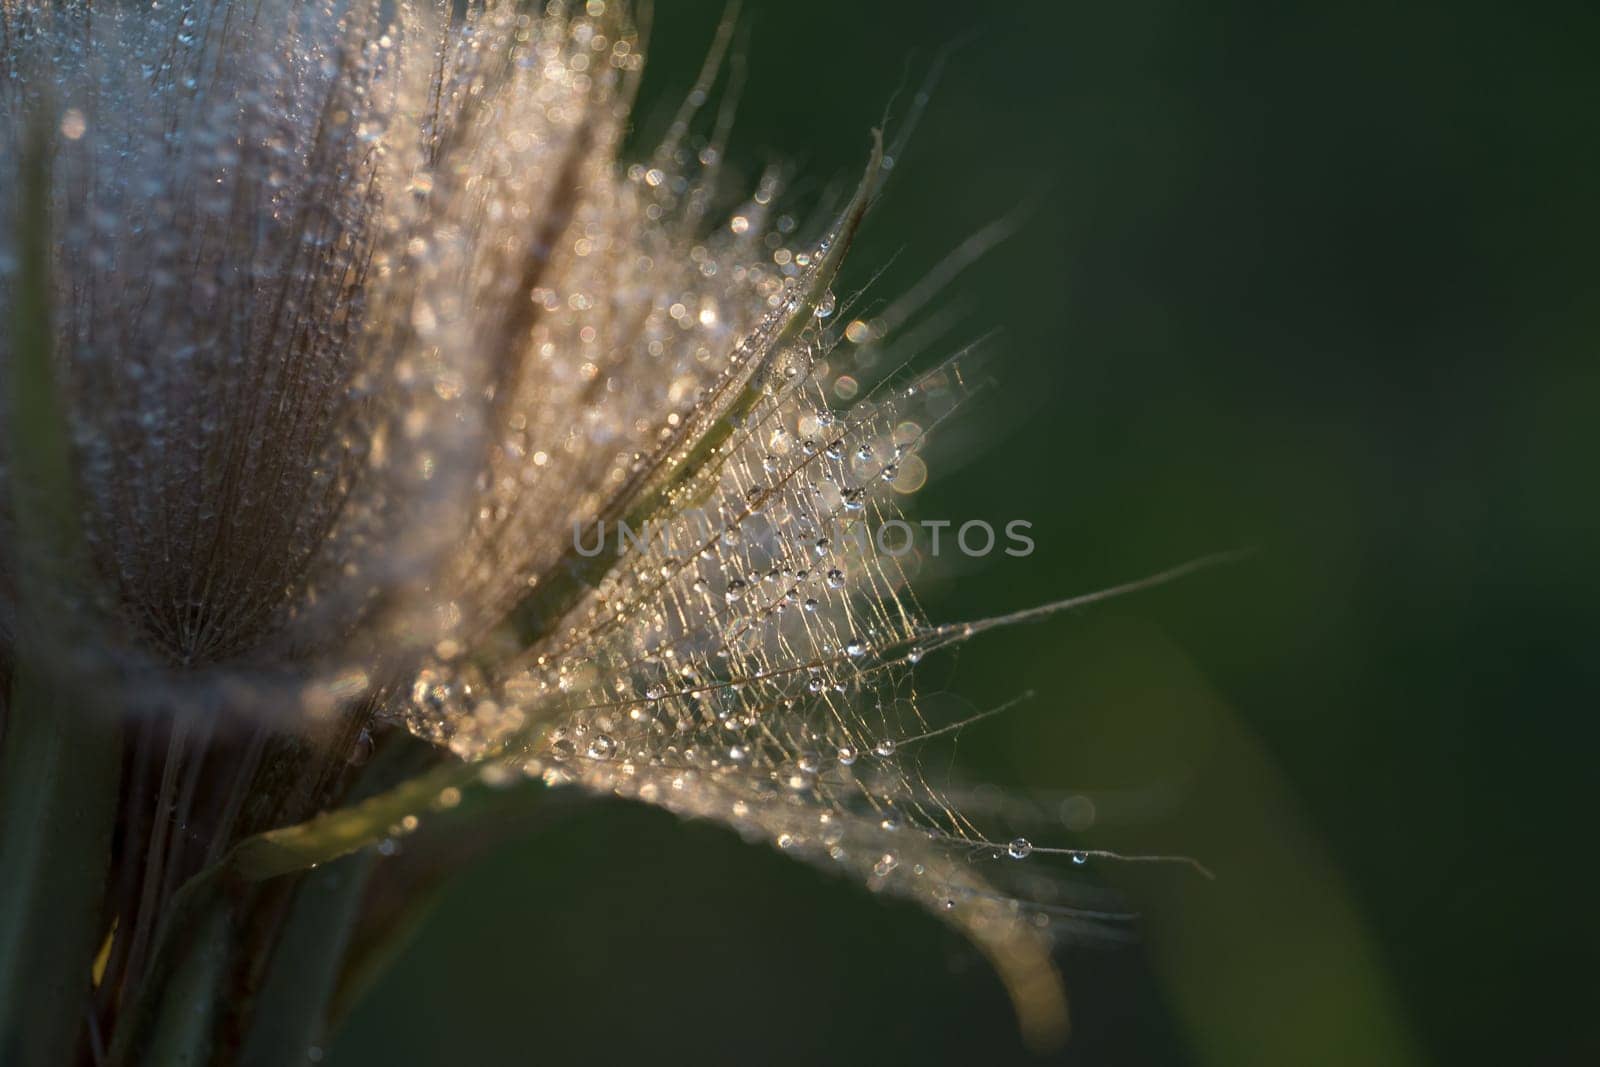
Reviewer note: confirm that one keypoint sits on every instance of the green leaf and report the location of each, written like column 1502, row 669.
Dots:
column 184, row 1028
column 312, row 943
column 58, row 794
column 291, row 1008
column 414, row 881
column 201, row 921
column 338, row 833
column 61, row 757
column 304, row 968
column 195, row 922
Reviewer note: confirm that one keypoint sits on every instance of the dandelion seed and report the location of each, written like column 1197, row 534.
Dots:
column 371, row 348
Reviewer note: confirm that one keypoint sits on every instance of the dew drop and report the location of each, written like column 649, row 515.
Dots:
column 796, row 780
column 1020, row 848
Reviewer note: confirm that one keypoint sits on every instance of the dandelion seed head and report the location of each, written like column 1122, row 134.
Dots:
column 361, row 325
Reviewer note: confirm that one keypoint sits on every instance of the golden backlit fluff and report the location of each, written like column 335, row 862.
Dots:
column 364, row 333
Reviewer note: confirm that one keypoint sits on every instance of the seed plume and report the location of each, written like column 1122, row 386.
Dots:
column 397, row 395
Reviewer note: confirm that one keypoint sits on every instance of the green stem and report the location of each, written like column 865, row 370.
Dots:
column 184, row 1031
column 291, row 1007
column 195, row 924
column 300, row 977
column 58, row 795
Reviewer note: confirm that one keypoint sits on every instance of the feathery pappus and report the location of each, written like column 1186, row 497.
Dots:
column 392, row 394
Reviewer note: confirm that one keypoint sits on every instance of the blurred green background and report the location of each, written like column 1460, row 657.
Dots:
column 1314, row 278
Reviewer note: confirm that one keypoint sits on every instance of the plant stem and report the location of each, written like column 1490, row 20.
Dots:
column 58, row 795
column 291, row 1008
